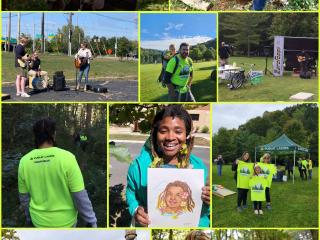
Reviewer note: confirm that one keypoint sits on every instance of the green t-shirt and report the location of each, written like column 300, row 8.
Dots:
column 50, row 175
column 268, row 170
column 182, row 74
column 304, row 164
column 258, row 186
column 244, row 172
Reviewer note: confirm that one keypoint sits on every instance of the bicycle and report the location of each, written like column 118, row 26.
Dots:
column 237, row 79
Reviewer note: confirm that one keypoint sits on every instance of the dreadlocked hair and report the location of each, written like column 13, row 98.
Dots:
column 174, row 110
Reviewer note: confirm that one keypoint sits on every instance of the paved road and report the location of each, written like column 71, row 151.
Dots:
column 119, row 170
column 118, row 90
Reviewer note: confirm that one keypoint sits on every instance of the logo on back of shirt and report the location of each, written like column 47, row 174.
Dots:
column 257, row 188
column 245, row 171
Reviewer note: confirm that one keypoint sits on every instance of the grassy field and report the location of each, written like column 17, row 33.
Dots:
column 154, row 5
column 203, row 88
column 271, row 89
column 100, row 67
column 293, row 205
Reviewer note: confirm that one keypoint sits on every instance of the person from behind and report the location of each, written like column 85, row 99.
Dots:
column 50, row 183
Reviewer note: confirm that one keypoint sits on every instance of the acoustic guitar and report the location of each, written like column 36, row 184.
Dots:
column 77, row 62
column 301, row 58
column 23, row 63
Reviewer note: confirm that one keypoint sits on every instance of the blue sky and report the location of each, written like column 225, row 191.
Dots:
column 159, row 30
column 79, row 234
column 100, row 24
column 233, row 115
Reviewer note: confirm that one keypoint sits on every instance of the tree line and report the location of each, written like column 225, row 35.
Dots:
column 200, row 52
column 250, row 32
column 232, row 234
column 299, row 123
column 99, row 45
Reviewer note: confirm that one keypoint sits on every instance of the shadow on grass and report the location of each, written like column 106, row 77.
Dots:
column 203, row 91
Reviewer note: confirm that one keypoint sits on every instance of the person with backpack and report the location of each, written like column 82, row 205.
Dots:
column 165, row 57
column 178, row 76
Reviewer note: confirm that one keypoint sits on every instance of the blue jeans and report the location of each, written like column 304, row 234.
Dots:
column 259, row 4
column 84, row 70
column 310, row 174
column 219, row 170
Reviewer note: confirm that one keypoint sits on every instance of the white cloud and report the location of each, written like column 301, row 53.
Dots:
column 164, row 44
column 173, row 26
column 144, row 30
column 233, row 115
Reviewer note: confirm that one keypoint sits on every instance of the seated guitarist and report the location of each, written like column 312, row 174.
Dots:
column 35, row 70
column 21, row 67
column 85, row 55
column 303, row 58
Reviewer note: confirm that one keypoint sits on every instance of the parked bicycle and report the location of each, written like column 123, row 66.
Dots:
column 239, row 78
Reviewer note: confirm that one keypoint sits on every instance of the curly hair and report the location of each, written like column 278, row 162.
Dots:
column 189, row 205
column 175, row 110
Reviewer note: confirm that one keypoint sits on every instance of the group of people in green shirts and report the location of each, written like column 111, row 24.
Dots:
column 257, row 177
column 177, row 73
column 305, row 165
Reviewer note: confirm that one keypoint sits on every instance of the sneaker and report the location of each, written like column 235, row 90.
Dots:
column 256, row 212
column 268, row 207
column 239, row 209
column 18, row 94
column 85, row 88
column 260, row 212
column 245, row 206
column 25, row 94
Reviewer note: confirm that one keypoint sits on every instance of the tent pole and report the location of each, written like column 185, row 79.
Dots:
column 294, row 164
column 255, row 154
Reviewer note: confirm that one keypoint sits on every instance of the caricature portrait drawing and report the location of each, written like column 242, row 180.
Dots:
column 176, row 199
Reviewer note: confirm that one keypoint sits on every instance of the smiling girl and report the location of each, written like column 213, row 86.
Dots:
column 169, row 146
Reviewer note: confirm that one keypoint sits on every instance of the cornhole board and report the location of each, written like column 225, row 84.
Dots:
column 302, row 96
column 222, row 192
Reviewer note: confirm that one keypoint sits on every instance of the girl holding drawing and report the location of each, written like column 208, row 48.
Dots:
column 244, row 171
column 258, row 183
column 169, row 146
column 268, row 170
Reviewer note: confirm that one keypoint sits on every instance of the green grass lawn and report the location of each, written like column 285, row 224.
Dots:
column 293, row 205
column 271, row 89
column 100, row 67
column 154, row 5
column 203, row 88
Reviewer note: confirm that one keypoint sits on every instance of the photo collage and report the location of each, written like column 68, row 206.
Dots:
column 159, row 120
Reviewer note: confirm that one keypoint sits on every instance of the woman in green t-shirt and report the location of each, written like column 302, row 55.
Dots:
column 244, row 171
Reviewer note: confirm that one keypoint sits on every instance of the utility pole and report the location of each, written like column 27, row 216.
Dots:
column 70, row 34
column 9, row 32
column 42, row 33
column 115, row 48
column 19, row 20
column 34, row 38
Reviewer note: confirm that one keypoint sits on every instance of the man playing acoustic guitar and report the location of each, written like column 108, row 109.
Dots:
column 35, row 70
column 21, row 59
